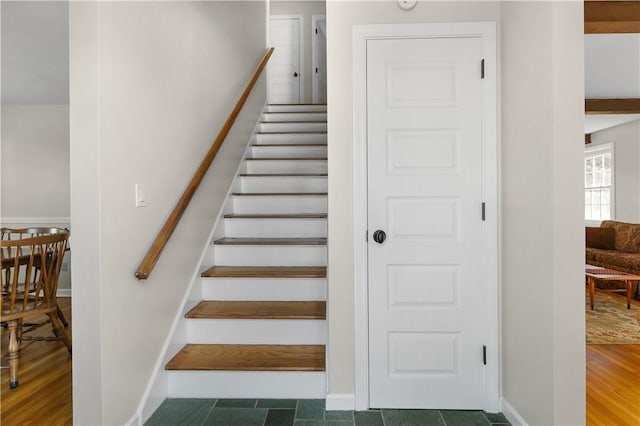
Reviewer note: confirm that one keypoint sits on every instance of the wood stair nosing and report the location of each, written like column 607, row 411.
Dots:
column 297, row 105
column 211, row 357
column 315, row 132
column 287, row 310
column 294, row 112
column 295, row 122
column 278, row 194
column 287, row 145
column 277, row 216
column 283, row 175
column 221, row 271
column 272, row 241
column 286, row 159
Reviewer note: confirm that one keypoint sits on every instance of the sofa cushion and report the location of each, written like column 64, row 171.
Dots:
column 627, row 235
column 624, row 262
column 601, row 238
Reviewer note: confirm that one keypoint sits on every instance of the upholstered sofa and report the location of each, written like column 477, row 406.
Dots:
column 614, row 245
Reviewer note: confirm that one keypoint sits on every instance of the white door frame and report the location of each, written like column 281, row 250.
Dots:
column 314, row 55
column 301, row 72
column 486, row 31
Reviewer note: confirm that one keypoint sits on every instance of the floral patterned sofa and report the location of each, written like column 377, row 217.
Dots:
column 614, row 245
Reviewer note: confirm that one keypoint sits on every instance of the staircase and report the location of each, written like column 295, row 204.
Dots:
column 259, row 330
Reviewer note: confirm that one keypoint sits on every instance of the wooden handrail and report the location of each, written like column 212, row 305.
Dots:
column 149, row 261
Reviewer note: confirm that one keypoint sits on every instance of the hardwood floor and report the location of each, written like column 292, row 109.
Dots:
column 613, row 385
column 44, row 395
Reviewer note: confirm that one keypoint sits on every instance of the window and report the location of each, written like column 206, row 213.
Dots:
column 598, row 183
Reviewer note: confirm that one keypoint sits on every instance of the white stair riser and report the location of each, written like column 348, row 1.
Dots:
column 282, row 255
column 280, row 204
column 296, row 108
column 285, row 166
column 257, row 331
column 274, row 228
column 264, row 289
column 283, row 184
column 294, row 116
column 295, row 138
column 247, row 384
column 293, row 127
column 288, row 151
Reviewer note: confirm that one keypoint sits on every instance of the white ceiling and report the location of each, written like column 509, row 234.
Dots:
column 612, row 70
column 594, row 123
column 35, row 52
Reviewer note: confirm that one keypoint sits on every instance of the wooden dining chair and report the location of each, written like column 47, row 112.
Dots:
column 8, row 233
column 31, row 264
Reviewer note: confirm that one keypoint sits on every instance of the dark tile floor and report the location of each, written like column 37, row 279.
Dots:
column 305, row 412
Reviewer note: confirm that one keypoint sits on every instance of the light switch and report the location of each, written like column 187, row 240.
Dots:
column 141, row 195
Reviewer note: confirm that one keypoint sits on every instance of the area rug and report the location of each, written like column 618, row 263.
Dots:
column 610, row 322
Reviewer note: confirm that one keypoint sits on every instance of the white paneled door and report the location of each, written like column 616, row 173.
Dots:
column 284, row 71
column 425, row 280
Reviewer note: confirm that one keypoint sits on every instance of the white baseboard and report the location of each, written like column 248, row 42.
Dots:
column 134, row 421
column 63, row 292
column 340, row 402
column 19, row 222
column 512, row 414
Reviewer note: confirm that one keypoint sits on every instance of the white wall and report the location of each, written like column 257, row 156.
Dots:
column 151, row 85
column 626, row 142
column 35, row 52
column 542, row 199
column 34, row 188
column 541, row 205
column 35, row 161
column 307, row 9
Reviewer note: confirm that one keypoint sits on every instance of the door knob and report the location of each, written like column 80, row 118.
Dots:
column 379, row 236
column 295, row 74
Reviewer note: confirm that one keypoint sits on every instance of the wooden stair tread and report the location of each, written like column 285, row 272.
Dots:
column 293, row 133
column 286, row 158
column 276, row 194
column 277, row 216
column 324, row 105
column 272, row 241
column 265, row 272
column 284, row 175
column 217, row 309
column 294, row 122
column 293, row 112
column 249, row 358
column 297, row 145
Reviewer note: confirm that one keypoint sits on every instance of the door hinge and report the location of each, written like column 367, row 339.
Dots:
column 484, row 355
column 316, row 31
column 482, row 69
column 484, row 211
column 316, row 70
column 366, row 235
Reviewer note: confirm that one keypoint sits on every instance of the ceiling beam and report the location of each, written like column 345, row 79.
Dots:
column 606, row 17
column 612, row 106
